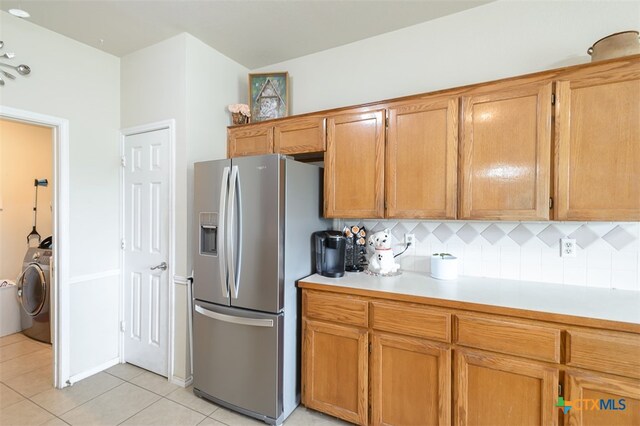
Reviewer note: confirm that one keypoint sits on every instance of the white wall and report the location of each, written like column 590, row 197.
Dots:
column 81, row 84
column 194, row 88
column 154, row 89
column 497, row 40
column 500, row 39
column 26, row 153
column 213, row 82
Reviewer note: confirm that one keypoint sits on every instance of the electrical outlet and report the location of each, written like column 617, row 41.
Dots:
column 567, row 247
column 410, row 239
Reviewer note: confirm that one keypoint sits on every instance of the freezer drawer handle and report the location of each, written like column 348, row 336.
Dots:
column 255, row 322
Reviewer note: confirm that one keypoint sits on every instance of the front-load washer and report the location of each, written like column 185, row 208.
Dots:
column 34, row 288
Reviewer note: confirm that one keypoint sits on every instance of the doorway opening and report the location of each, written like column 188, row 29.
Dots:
column 55, row 224
column 26, row 243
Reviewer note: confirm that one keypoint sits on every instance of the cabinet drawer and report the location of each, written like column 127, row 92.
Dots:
column 515, row 338
column 335, row 308
column 615, row 353
column 411, row 320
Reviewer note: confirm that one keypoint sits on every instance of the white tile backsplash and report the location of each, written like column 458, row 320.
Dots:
column 598, row 277
column 599, row 258
column 574, row 275
column 610, row 258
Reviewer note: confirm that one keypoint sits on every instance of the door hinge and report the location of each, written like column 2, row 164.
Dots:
column 560, row 389
column 123, row 326
column 550, row 203
column 386, row 122
column 553, row 99
column 369, row 347
column 123, row 244
column 123, row 161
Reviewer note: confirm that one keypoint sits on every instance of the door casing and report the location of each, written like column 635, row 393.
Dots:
column 60, row 300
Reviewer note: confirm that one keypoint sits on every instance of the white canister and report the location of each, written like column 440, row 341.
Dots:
column 444, row 266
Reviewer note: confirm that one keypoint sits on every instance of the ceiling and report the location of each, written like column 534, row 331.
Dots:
column 254, row 33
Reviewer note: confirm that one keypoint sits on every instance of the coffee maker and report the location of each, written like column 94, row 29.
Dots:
column 330, row 251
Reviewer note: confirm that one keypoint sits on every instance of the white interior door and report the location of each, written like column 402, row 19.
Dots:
column 146, row 249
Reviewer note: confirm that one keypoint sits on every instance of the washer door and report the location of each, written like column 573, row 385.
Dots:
column 32, row 289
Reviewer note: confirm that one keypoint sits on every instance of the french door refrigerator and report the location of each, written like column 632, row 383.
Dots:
column 254, row 219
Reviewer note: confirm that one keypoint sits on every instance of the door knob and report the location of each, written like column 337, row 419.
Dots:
column 163, row 266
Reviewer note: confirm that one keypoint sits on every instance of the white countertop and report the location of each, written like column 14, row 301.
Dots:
column 579, row 301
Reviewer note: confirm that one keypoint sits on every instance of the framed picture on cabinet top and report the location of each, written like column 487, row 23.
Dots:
column 268, row 95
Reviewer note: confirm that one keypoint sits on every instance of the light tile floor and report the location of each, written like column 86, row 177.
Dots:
column 121, row 395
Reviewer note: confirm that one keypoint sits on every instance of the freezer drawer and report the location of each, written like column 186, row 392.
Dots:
column 237, row 358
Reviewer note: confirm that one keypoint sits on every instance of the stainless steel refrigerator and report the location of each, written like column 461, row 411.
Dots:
column 254, row 220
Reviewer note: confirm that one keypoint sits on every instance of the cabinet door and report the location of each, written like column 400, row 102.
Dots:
column 596, row 399
column 300, row 136
column 499, row 390
column 506, row 154
column 354, row 166
column 598, row 148
column 410, row 381
column 335, row 370
column 422, row 160
column 256, row 140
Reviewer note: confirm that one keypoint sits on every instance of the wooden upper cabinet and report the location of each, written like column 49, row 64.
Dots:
column 300, row 136
column 506, row 153
column 422, row 159
column 254, row 140
column 598, row 146
column 502, row 391
column 354, row 166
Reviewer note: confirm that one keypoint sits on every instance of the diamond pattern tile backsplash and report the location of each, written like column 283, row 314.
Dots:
column 608, row 253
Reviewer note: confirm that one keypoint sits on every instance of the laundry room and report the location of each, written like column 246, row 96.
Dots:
column 26, row 208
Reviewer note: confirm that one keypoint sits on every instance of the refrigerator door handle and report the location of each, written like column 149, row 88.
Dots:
column 233, row 257
column 238, row 253
column 254, row 322
column 221, row 232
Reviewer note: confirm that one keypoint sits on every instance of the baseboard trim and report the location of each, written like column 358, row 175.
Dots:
column 92, row 371
column 96, row 276
column 180, row 280
column 181, row 382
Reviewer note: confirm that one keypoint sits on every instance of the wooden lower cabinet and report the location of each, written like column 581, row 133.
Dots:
column 379, row 361
column 598, row 399
column 335, row 370
column 410, row 381
column 496, row 390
